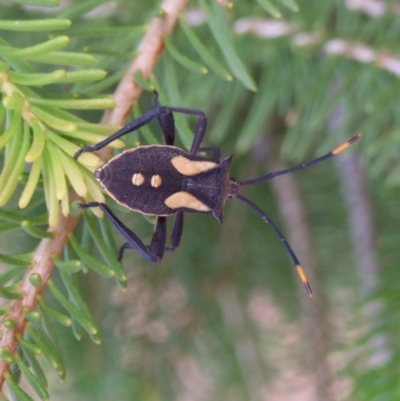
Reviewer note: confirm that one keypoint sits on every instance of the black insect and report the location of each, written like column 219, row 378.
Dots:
column 163, row 180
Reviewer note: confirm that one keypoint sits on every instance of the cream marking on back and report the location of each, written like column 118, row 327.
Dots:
column 156, row 181
column 137, row 179
column 189, row 167
column 185, row 199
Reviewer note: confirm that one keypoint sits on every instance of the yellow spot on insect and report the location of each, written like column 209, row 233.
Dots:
column 137, row 179
column 185, row 199
column 191, row 167
column 304, row 279
column 156, row 181
column 345, row 145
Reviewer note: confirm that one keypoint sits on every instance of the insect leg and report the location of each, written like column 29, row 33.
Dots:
column 152, row 253
column 157, row 245
column 167, row 123
column 132, row 126
column 166, row 120
column 176, row 232
column 155, row 101
column 200, row 127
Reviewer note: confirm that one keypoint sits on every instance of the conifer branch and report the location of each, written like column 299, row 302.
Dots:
column 148, row 51
column 360, row 52
column 127, row 92
column 42, row 265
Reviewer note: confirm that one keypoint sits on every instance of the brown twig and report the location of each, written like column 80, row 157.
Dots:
column 148, row 52
column 42, row 265
column 127, row 92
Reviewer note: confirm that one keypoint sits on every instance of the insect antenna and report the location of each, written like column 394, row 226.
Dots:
column 235, row 194
column 265, row 217
column 273, row 174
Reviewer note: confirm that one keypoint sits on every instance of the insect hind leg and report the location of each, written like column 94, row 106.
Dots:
column 176, row 233
column 154, row 252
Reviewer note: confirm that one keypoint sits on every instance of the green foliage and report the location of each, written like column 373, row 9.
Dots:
column 221, row 318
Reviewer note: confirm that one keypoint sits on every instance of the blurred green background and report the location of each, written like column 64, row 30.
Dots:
column 225, row 317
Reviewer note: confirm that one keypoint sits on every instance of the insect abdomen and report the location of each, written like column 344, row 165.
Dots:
column 142, row 178
column 161, row 180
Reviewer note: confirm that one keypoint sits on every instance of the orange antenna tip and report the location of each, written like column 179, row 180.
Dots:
column 304, row 279
column 345, row 145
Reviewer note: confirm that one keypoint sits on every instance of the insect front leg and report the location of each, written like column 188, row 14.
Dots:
column 200, row 127
column 168, row 125
column 154, row 252
column 132, row 126
column 166, row 121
